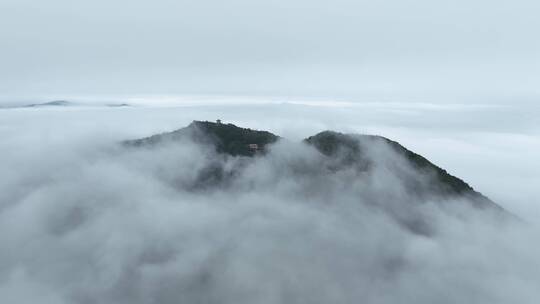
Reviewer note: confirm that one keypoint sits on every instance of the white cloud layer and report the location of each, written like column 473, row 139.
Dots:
column 83, row 221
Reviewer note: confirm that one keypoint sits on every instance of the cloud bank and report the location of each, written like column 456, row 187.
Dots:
column 83, row 220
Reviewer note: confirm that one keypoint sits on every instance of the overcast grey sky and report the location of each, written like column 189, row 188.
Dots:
column 393, row 50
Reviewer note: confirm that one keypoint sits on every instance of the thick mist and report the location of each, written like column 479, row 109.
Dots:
column 85, row 220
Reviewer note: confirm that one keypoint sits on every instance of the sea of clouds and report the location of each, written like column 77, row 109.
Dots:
column 84, row 220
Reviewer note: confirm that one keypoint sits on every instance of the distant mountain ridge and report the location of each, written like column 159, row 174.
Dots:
column 61, row 104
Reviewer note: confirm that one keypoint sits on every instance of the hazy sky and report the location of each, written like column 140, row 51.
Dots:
column 393, row 50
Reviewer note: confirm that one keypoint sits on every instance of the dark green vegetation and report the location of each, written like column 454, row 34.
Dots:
column 350, row 148
column 340, row 152
column 227, row 138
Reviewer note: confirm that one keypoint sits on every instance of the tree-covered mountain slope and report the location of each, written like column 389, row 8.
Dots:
column 379, row 169
column 227, row 138
column 357, row 150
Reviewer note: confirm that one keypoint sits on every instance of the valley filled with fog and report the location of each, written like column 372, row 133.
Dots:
column 84, row 219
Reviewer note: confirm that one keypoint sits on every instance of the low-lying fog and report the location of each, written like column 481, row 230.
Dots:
column 84, row 221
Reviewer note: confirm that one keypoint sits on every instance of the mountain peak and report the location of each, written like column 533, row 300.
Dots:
column 420, row 178
column 226, row 137
column 351, row 149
